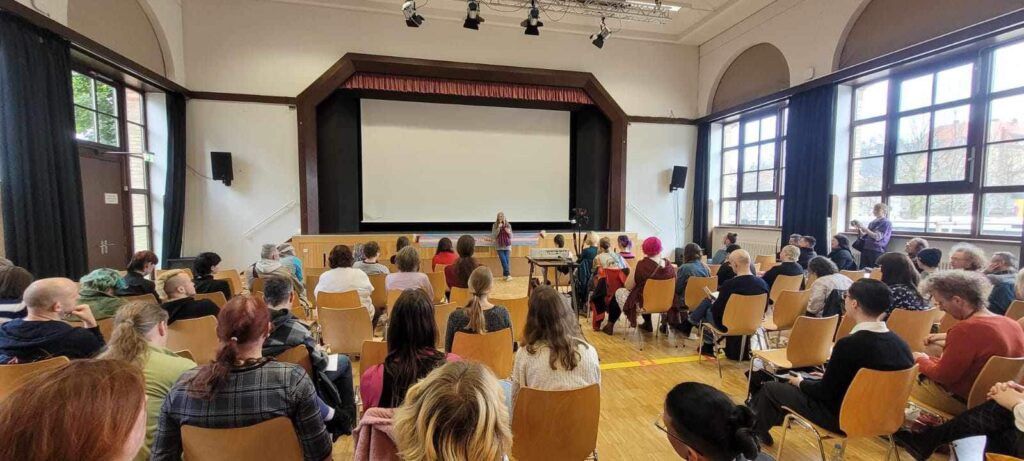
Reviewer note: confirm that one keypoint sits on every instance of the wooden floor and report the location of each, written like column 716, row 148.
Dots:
column 634, row 384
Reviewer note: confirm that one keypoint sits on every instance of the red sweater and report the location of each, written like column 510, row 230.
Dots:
column 446, row 258
column 969, row 344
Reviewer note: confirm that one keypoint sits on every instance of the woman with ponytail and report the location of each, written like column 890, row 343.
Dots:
column 703, row 424
column 479, row 315
column 242, row 388
column 140, row 338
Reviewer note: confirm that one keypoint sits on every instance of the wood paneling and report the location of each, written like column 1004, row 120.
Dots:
column 238, row 97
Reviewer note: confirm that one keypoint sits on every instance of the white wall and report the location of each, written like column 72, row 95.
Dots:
column 650, row 207
column 54, row 9
column 165, row 16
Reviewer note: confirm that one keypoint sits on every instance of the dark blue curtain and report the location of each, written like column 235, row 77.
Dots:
column 174, row 197
column 809, row 165
column 701, row 226
column 44, row 217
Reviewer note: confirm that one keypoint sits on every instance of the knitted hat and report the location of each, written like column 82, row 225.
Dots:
column 930, row 257
column 102, row 280
column 652, row 246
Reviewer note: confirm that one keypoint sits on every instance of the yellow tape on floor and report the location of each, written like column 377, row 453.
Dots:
column 648, row 363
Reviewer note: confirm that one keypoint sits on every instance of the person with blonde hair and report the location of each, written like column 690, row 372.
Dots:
column 408, row 276
column 179, row 295
column 140, row 338
column 97, row 288
column 606, row 258
column 478, row 315
column 456, row 413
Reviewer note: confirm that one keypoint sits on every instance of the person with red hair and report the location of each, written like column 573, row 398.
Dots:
column 630, row 296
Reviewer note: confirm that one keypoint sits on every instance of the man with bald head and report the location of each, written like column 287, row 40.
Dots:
column 181, row 303
column 42, row 334
column 744, row 283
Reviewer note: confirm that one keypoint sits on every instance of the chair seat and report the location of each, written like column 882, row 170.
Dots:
column 776, row 357
column 825, row 433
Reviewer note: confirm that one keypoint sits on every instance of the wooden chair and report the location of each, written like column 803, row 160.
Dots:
column 373, row 353
column 311, row 282
column 459, row 296
column 845, row 327
column 345, row 329
column 996, row 370
column 873, row 407
column 518, row 308
column 217, row 298
column 742, row 317
column 233, row 278
column 764, row 261
column 947, row 322
column 392, row 297
column 257, row 285
column 493, row 349
column 344, row 300
column 783, row 283
column 714, row 269
column 440, row 270
column 694, row 292
column 876, row 273
column 912, row 326
column 106, row 327
column 536, row 435
column 186, row 354
column 298, row 355
column 1016, row 310
column 441, row 314
column 659, row 296
column 243, row 443
column 998, row 457
column 788, row 307
column 379, row 297
column 810, row 345
column 440, row 286
column 853, row 275
column 146, row 298
column 13, row 376
column 199, row 336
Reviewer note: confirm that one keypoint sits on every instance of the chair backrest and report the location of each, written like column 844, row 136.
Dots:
column 106, row 327
column 234, row 280
column 440, row 270
column 694, row 292
column 186, row 354
column 493, row 349
column 783, row 283
column 243, row 443
column 298, row 355
column 714, row 268
column 438, row 283
column 344, row 300
column 876, row 273
column 764, row 261
column 874, row 402
column 946, row 322
column 146, row 298
column 441, row 314
column 845, row 327
column 1016, row 310
column 659, row 295
column 853, row 275
column 379, row 297
column 743, row 314
column 810, row 343
column 345, row 329
column 199, row 336
column 217, row 298
column 459, row 296
column 518, row 308
column 536, row 435
column 311, row 282
column 392, row 297
column 373, row 353
column 790, row 305
column 257, row 285
column 912, row 326
column 996, row 370
column 13, row 376
column 998, row 457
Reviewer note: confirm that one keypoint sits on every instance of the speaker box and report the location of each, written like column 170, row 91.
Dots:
column 220, row 163
column 678, row 178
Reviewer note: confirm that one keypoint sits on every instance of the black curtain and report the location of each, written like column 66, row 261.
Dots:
column 174, row 197
column 339, row 141
column 701, row 226
column 590, row 146
column 809, row 165
column 44, row 217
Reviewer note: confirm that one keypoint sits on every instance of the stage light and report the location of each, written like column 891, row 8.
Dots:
column 532, row 22
column 599, row 38
column 473, row 18
column 412, row 18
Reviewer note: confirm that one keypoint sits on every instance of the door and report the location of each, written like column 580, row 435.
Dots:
column 106, row 213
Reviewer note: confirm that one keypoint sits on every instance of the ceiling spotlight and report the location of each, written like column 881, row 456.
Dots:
column 532, row 22
column 599, row 38
column 473, row 18
column 412, row 18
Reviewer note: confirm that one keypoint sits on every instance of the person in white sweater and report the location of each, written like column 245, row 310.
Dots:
column 827, row 279
column 554, row 356
column 343, row 277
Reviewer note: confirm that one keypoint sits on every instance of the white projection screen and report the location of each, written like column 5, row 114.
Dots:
column 426, row 162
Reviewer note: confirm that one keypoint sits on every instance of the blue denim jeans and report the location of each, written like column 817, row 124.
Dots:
column 701, row 314
column 503, row 256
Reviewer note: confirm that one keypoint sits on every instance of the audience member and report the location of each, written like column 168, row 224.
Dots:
column 978, row 336
column 269, row 266
column 456, row 413
column 559, row 240
column 899, row 274
column 501, row 234
column 794, row 239
column 691, row 267
column 928, row 261
column 136, row 283
column 181, row 303
column 412, row 335
column 827, row 280
column 287, row 252
column 444, row 255
column 703, row 424
column 286, row 331
column 720, row 256
column 140, row 338
column 554, row 356
column 873, row 240
column 1018, row 287
column 242, row 388
column 726, row 271
column 870, row 345
column 606, row 258
column 43, row 334
column 965, row 256
column 478, row 315
column 97, row 288
column 807, row 252
column 343, row 277
column 370, row 262
column 841, row 254
column 913, row 247
column 585, row 272
column 788, row 255
column 102, row 414
column 625, row 247
column 631, row 296
column 408, row 276
column 1002, row 273
column 402, row 242
column 203, row 269
column 13, row 283
column 713, row 310
column 457, row 274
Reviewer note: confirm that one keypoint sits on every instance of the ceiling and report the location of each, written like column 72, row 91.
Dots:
column 696, row 21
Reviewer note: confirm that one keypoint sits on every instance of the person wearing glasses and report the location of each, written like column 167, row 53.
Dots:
column 703, row 424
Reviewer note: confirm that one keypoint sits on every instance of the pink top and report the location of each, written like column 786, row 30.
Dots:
column 371, row 384
column 446, row 258
column 406, row 280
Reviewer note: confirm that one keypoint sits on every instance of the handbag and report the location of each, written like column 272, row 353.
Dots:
column 858, row 244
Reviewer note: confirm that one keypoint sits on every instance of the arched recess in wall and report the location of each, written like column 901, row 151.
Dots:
column 758, row 71
column 123, row 26
column 880, row 26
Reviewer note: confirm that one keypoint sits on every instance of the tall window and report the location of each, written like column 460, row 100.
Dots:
column 943, row 147
column 96, row 111
column 138, row 169
column 753, row 155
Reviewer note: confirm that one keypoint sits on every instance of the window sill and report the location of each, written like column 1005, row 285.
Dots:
column 944, row 238
column 760, row 228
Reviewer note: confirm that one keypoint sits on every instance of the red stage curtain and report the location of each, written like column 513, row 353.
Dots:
column 423, row 85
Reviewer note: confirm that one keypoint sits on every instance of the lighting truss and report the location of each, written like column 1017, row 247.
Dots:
column 628, row 10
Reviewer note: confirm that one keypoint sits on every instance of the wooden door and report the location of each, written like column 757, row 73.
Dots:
column 106, row 211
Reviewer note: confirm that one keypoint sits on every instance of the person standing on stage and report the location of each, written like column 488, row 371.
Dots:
column 501, row 232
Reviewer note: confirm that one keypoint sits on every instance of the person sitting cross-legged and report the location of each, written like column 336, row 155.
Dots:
column 744, row 283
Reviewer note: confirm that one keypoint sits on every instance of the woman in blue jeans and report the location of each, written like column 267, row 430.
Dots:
column 501, row 232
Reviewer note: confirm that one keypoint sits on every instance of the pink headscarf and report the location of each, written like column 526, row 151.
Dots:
column 652, row 246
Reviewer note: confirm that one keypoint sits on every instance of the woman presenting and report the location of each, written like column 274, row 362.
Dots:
column 873, row 239
column 501, row 232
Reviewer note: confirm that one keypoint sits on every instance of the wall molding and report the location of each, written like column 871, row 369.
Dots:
column 660, row 120
column 239, row 97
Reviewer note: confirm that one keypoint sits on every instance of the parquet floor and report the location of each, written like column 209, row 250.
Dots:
column 633, row 387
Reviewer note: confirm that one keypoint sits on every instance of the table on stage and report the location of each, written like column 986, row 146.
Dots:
column 545, row 264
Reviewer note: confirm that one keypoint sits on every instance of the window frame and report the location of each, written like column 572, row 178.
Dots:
column 780, row 111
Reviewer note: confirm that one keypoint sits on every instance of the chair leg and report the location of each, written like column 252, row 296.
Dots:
column 893, row 448
column 786, row 423
column 743, row 347
column 821, row 446
column 750, row 376
column 714, row 347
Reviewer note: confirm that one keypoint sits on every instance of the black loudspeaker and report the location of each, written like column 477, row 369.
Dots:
column 220, row 163
column 678, row 178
